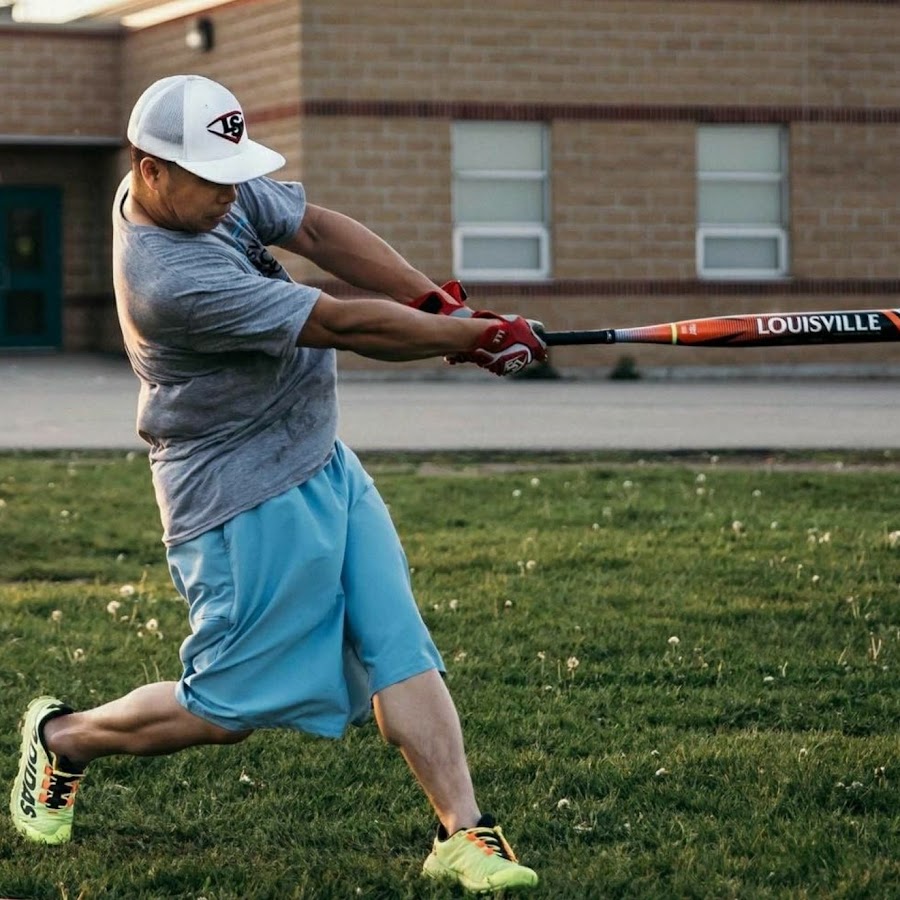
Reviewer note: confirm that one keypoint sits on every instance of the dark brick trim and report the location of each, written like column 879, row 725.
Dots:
column 591, row 112
column 590, row 287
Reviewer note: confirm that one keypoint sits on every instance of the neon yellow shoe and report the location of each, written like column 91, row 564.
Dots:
column 479, row 859
column 43, row 795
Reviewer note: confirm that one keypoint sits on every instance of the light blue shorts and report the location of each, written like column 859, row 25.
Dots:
column 300, row 609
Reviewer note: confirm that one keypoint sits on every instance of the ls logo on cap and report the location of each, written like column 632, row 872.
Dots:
column 230, row 126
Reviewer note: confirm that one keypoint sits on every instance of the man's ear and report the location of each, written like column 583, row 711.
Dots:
column 152, row 170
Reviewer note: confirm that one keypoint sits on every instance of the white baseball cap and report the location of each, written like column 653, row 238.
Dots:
column 199, row 124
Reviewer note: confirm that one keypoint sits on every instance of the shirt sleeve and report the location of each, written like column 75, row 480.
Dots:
column 274, row 208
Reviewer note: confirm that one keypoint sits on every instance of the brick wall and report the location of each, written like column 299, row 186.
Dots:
column 58, row 81
column 360, row 98
column 616, row 51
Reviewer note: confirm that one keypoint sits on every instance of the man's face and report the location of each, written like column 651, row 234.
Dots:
column 190, row 203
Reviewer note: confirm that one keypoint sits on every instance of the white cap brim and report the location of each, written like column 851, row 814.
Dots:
column 253, row 161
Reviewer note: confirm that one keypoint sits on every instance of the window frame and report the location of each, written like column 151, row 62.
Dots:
column 739, row 230
column 501, row 229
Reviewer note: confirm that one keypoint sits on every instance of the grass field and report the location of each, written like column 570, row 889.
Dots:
column 678, row 679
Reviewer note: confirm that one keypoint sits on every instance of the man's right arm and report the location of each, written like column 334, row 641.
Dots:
column 380, row 329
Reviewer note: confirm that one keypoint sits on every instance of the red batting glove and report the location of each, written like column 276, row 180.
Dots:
column 507, row 347
column 449, row 303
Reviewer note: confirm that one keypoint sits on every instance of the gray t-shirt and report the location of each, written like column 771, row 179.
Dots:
column 234, row 412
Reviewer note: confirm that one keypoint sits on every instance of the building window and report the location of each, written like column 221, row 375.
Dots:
column 742, row 211
column 500, row 200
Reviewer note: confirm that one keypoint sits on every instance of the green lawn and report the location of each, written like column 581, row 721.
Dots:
column 678, row 678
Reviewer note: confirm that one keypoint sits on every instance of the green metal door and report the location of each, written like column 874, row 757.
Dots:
column 30, row 267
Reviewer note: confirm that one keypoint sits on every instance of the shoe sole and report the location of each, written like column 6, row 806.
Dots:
column 440, row 872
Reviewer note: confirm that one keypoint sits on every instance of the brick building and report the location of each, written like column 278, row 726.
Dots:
column 586, row 162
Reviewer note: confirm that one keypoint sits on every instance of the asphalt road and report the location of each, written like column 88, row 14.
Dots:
column 80, row 401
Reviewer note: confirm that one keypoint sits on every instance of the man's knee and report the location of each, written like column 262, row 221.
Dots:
column 219, row 735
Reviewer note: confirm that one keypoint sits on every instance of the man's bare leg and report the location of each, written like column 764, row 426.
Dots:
column 418, row 716
column 147, row 722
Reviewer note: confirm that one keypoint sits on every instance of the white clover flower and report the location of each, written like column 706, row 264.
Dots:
column 535, row 482
column 460, row 656
column 803, row 753
column 894, row 539
column 453, row 604
column 737, row 526
column 152, row 626
column 121, row 558
column 507, row 604
column 659, row 773
column 541, row 655
column 595, row 526
column 56, row 615
column 564, row 803
column 825, row 538
column 572, row 663
column 244, row 778
column 814, row 579
column 774, row 526
column 78, row 655
column 768, row 679
column 674, row 641
column 3, row 505
column 756, row 493
column 113, row 607
column 127, row 590
column 530, row 565
column 628, row 484
column 517, row 493
column 700, row 478
column 606, row 512
column 701, row 491
column 64, row 514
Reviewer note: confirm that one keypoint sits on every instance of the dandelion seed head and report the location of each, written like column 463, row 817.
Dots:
column 674, row 641
column 572, row 663
column 535, row 482
column 595, row 526
column 127, row 590
column 152, row 626
column 78, row 655
column 507, row 604
column 56, row 615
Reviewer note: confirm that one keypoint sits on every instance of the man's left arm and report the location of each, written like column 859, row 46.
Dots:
column 350, row 251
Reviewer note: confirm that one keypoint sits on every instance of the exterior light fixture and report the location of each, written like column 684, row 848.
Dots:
column 200, row 35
